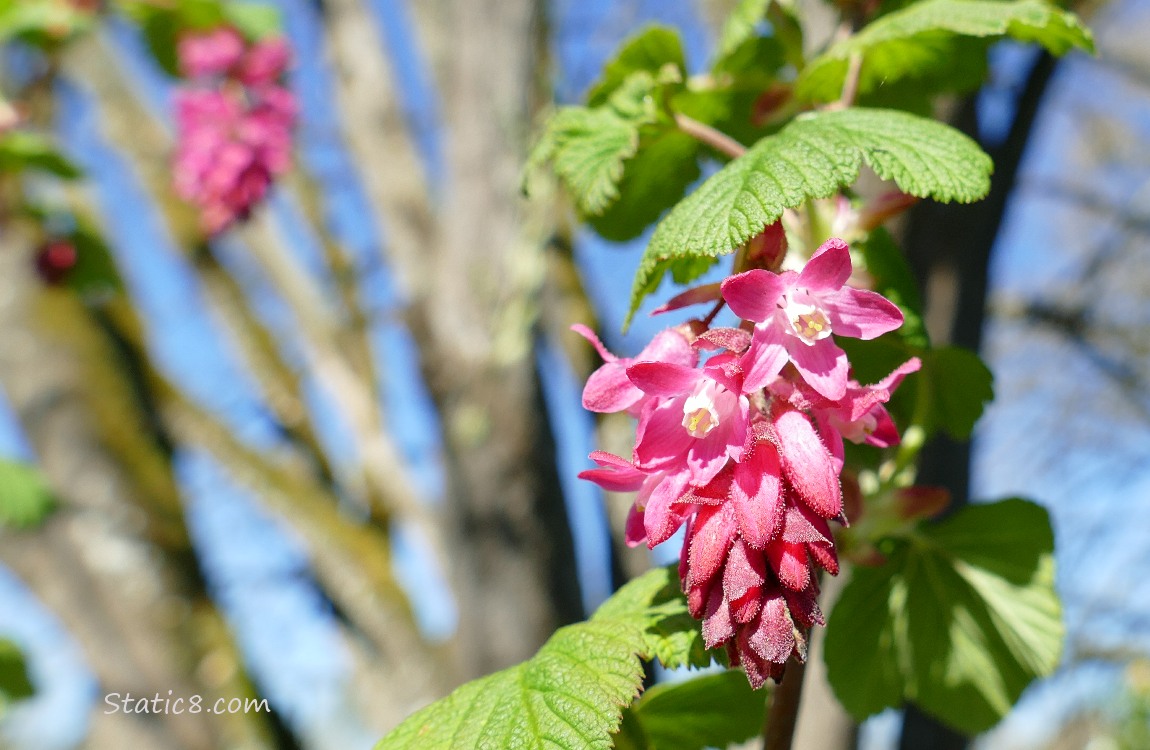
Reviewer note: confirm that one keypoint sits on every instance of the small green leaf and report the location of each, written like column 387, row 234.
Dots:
column 651, row 51
column 588, row 146
column 813, row 157
column 713, row 710
column 571, row 694
column 95, row 272
column 254, row 21
column 161, row 32
column 25, row 499
column 961, row 618
column 24, row 151
column 15, row 683
column 959, row 385
column 921, row 43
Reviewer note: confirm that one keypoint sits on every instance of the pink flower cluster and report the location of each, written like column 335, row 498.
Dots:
column 746, row 448
column 234, row 121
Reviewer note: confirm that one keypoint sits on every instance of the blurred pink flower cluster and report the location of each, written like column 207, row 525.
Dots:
column 234, row 119
column 746, row 448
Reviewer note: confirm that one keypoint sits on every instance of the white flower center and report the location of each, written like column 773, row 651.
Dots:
column 700, row 413
column 806, row 320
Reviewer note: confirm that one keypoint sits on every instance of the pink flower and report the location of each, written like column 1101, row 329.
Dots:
column 265, row 62
column 698, row 422
column 654, row 515
column 210, row 54
column 796, row 313
column 610, row 390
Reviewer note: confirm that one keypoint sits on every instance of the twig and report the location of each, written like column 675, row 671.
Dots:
column 704, row 133
column 779, row 731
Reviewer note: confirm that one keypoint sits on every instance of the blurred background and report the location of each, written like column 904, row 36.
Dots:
column 327, row 455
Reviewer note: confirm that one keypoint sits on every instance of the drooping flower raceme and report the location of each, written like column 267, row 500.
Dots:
column 745, row 449
column 234, row 122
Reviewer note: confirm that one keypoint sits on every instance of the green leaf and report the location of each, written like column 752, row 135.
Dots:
column 95, row 271
column 571, row 694
column 651, row 51
column 713, row 710
column 656, row 178
column 921, row 42
column 959, row 386
column 254, row 21
column 961, row 618
column 15, row 683
column 742, row 25
column 588, row 146
column 25, row 499
column 894, row 280
column 23, row 151
column 812, row 157
column 42, row 22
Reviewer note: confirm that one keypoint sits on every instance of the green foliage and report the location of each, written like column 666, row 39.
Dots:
column 937, row 45
column 22, row 151
column 25, row 499
column 571, row 694
column 960, row 619
column 741, row 25
column 893, row 279
column 41, row 22
column 714, row 710
column 95, row 271
column 14, row 681
column 958, row 386
column 813, row 157
column 651, row 51
column 589, row 145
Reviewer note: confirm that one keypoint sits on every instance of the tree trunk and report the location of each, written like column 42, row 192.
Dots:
column 114, row 563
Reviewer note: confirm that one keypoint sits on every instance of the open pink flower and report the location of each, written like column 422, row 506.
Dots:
column 610, row 390
column 796, row 313
column 699, row 422
column 210, row 54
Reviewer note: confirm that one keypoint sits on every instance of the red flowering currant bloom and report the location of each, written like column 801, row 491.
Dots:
column 609, row 389
column 211, row 54
column 699, row 421
column 796, row 313
column 235, row 132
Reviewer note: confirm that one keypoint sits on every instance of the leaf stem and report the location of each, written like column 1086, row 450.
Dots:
column 779, row 731
column 851, row 82
column 704, row 133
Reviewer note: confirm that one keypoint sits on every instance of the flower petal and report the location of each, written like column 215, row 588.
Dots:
column 861, row 313
column 588, row 334
column 660, row 519
column 662, row 378
column 765, row 359
column 693, row 296
column 822, row 364
column 609, row 390
column 753, row 295
column 808, row 464
column 671, row 346
column 757, row 497
column 661, row 441
column 828, row 269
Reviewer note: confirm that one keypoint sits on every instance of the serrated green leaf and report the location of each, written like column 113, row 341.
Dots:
column 15, row 684
column 959, row 385
column 23, row 151
column 588, row 146
column 651, row 50
column 25, row 499
column 570, row 695
column 961, row 618
column 921, row 43
column 656, row 178
column 812, row 157
column 713, row 710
